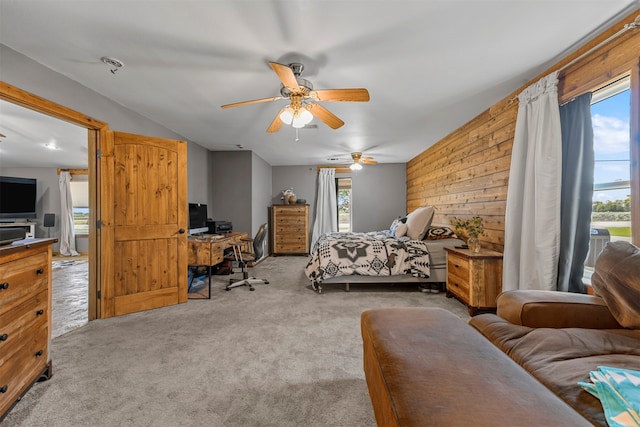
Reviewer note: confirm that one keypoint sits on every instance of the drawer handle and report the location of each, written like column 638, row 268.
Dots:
column 40, row 312
column 4, row 388
column 39, row 353
column 4, row 337
column 40, row 271
column 4, row 285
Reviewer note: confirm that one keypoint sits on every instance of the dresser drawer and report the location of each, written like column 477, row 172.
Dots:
column 22, row 368
column 290, row 211
column 290, row 248
column 22, row 278
column 14, row 324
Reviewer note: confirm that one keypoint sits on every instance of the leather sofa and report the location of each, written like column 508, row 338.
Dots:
column 518, row 367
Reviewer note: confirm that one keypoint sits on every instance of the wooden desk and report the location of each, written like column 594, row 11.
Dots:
column 208, row 250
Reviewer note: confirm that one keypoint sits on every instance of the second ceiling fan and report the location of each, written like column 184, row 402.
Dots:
column 303, row 99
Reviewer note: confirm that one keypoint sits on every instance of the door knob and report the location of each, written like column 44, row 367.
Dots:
column 181, row 231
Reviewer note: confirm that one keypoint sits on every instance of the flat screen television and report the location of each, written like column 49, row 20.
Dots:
column 17, row 198
column 197, row 218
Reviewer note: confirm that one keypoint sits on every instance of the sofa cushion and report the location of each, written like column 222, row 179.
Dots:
column 427, row 367
column 559, row 358
column 616, row 278
column 553, row 309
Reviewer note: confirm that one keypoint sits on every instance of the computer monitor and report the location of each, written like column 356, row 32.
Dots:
column 197, row 218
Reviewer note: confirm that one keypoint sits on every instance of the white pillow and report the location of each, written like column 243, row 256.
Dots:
column 418, row 222
column 401, row 229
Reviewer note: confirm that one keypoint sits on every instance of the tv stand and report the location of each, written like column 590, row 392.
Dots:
column 29, row 226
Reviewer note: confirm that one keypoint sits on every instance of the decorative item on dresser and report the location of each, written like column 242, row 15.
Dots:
column 25, row 318
column 289, row 229
column 475, row 278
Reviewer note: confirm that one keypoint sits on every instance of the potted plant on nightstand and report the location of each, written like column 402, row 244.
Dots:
column 470, row 228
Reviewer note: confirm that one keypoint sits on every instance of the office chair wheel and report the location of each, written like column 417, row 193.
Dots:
column 266, row 282
column 252, row 288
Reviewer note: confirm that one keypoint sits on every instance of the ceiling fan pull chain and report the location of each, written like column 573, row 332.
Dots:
column 297, row 139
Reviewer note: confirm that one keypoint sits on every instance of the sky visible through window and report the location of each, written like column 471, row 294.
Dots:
column 610, row 119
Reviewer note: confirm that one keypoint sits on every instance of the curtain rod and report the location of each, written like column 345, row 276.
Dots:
column 633, row 25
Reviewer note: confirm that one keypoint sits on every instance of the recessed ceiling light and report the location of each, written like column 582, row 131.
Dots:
column 51, row 146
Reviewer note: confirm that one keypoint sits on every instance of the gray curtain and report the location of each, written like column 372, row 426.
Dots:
column 577, row 192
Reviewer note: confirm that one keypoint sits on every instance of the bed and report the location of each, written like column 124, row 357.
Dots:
column 416, row 255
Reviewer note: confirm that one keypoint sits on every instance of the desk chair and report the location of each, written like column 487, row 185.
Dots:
column 249, row 251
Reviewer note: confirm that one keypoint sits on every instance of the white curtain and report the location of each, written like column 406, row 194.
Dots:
column 326, row 205
column 532, row 220
column 67, row 236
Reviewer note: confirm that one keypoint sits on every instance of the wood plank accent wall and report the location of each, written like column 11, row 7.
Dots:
column 467, row 172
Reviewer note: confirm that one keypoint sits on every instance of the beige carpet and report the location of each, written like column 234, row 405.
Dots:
column 279, row 356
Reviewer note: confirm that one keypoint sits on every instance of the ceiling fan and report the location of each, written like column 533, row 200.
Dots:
column 358, row 161
column 303, row 99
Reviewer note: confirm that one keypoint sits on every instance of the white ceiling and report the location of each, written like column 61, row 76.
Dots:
column 429, row 66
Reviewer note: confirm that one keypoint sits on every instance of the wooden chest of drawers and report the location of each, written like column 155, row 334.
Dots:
column 25, row 319
column 475, row 278
column 289, row 229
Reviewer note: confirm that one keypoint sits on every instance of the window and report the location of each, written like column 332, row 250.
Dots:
column 80, row 198
column 611, row 213
column 343, row 188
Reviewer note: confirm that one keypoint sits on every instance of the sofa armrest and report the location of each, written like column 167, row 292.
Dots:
column 550, row 309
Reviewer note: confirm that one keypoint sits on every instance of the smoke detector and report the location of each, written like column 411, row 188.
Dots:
column 114, row 63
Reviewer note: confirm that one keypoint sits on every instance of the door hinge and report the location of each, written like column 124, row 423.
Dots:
column 98, row 153
column 99, row 294
column 99, row 223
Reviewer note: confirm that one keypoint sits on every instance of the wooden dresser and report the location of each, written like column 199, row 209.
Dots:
column 25, row 318
column 475, row 278
column 289, row 229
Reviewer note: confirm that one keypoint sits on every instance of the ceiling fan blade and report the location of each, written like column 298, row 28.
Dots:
column 276, row 124
column 368, row 161
column 325, row 115
column 341, row 95
column 285, row 74
column 255, row 101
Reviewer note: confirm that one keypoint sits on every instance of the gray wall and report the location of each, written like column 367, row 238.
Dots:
column 379, row 192
column 24, row 73
column 197, row 174
column 261, row 189
column 230, row 196
column 379, row 196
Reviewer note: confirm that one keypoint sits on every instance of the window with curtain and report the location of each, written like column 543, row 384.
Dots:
column 343, row 190
column 80, row 196
column 611, row 212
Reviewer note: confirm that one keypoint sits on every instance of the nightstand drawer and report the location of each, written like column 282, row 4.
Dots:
column 458, row 266
column 458, row 286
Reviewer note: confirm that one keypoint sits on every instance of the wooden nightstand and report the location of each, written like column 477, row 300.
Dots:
column 475, row 278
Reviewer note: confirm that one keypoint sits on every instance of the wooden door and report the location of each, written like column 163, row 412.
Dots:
column 143, row 223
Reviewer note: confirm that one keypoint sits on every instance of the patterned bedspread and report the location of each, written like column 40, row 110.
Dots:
column 367, row 254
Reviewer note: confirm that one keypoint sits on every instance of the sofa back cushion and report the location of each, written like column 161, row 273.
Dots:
column 616, row 279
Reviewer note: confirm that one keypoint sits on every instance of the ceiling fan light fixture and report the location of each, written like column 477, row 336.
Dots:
column 301, row 118
column 355, row 166
column 287, row 115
